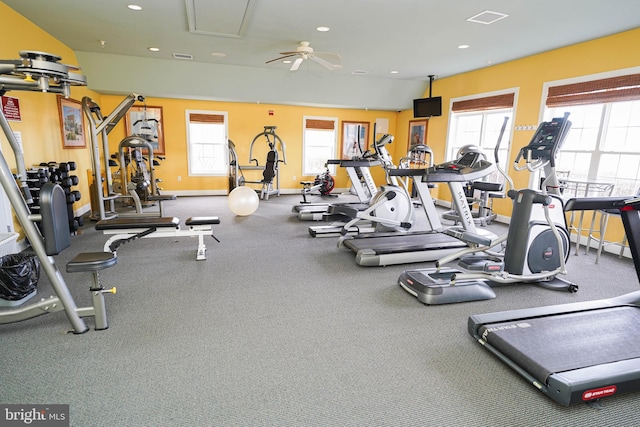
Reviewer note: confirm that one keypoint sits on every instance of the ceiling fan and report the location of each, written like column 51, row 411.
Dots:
column 304, row 52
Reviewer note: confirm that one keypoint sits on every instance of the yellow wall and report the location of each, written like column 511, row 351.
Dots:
column 245, row 121
column 528, row 75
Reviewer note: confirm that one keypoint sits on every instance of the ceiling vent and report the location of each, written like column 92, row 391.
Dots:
column 222, row 18
column 487, row 17
column 184, row 56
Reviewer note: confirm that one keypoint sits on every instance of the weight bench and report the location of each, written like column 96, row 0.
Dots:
column 124, row 230
column 55, row 237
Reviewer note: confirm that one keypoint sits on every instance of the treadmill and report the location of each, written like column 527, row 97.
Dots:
column 579, row 352
column 380, row 249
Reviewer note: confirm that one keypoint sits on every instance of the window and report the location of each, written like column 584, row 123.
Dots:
column 604, row 141
column 319, row 144
column 207, row 142
column 478, row 121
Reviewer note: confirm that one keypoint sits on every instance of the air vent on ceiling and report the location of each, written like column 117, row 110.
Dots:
column 184, row 56
column 219, row 17
column 487, row 17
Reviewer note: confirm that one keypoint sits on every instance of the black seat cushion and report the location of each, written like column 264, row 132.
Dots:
column 91, row 261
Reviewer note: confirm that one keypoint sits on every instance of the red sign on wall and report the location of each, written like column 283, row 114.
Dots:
column 11, row 108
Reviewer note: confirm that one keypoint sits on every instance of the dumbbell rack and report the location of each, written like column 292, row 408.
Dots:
column 58, row 173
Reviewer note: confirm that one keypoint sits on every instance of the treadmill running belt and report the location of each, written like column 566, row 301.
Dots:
column 399, row 242
column 546, row 345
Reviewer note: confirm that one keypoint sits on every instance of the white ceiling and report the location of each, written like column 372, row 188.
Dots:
column 416, row 38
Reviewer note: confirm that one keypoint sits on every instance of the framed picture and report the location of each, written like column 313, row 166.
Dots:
column 355, row 136
column 71, row 123
column 417, row 132
column 146, row 121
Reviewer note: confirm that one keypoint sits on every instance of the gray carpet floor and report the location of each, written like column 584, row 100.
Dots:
column 276, row 328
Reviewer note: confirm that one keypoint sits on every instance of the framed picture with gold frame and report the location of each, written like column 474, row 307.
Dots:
column 72, row 127
column 417, row 132
column 146, row 121
column 355, row 137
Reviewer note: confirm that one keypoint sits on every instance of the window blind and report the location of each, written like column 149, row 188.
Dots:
column 206, row 118
column 485, row 103
column 319, row 124
column 622, row 88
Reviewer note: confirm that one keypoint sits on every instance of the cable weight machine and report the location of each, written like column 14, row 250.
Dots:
column 275, row 155
column 103, row 196
column 42, row 72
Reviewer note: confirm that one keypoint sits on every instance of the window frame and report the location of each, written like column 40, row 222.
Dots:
column 224, row 170
column 475, row 103
column 306, row 149
column 599, row 150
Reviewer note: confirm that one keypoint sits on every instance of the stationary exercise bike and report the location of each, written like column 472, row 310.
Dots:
column 536, row 244
column 323, row 184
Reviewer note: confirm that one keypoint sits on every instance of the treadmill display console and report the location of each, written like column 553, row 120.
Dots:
column 468, row 160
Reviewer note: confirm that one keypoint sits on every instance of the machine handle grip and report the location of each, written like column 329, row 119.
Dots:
column 537, row 198
column 542, row 199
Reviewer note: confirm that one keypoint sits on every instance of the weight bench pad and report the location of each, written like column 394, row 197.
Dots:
column 91, row 261
column 202, row 220
column 143, row 222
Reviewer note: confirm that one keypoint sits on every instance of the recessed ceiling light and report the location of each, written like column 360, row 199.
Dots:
column 323, row 29
column 289, row 62
column 394, row 71
column 218, row 54
column 154, row 49
column 134, row 7
column 463, row 46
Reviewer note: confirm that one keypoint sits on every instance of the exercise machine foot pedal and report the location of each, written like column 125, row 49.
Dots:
column 488, row 264
column 435, row 286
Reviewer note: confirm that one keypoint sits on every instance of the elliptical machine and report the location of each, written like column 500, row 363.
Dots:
column 391, row 208
column 537, row 242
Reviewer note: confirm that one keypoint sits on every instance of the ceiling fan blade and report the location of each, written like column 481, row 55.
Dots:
column 330, row 56
column 324, row 63
column 281, row 58
column 296, row 64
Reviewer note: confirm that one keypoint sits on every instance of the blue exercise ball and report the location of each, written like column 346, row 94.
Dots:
column 243, row 201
